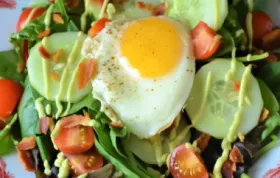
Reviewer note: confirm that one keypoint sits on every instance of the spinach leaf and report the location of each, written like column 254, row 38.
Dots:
column 7, row 145
column 270, row 101
column 28, row 115
column 88, row 102
column 8, row 66
column 116, row 136
column 271, row 125
column 45, row 146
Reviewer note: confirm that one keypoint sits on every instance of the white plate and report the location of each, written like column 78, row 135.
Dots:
column 9, row 165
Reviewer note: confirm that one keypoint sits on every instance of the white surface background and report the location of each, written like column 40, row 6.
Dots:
column 8, row 19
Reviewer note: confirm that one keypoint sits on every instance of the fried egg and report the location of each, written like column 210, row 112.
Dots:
column 145, row 72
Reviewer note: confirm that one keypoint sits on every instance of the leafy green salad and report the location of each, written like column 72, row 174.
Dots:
column 141, row 89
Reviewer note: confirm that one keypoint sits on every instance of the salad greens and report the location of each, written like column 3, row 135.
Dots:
column 110, row 139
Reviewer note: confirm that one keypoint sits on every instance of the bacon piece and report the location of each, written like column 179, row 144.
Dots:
column 74, row 120
column 203, row 141
column 54, row 76
column 45, row 124
column 57, row 55
column 159, row 9
column 264, row 115
column 10, row 4
column 117, row 125
column 57, row 18
column 87, row 70
column 236, row 156
column 142, row 5
column 236, row 86
column 228, row 169
column 27, row 143
column 26, row 159
column 44, row 34
column 44, row 53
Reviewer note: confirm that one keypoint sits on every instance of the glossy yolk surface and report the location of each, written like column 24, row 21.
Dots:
column 152, row 46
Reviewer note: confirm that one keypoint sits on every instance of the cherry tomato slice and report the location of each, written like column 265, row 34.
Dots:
column 98, row 26
column 85, row 162
column 262, row 25
column 185, row 163
column 74, row 140
column 10, row 94
column 25, row 16
column 205, row 41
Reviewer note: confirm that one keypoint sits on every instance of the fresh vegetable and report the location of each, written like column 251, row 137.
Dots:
column 180, row 166
column 29, row 15
column 10, row 94
column 66, row 69
column 74, row 140
column 262, row 25
column 85, row 162
column 213, row 13
column 98, row 26
column 214, row 100
column 205, row 41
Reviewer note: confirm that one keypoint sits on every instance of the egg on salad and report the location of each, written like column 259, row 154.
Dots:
column 145, row 71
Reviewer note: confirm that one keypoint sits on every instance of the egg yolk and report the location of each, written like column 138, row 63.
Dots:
column 153, row 46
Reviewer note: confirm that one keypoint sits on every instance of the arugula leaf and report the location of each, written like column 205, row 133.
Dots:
column 28, row 115
column 8, row 66
column 270, row 101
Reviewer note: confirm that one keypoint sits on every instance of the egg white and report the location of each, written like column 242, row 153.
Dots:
column 145, row 106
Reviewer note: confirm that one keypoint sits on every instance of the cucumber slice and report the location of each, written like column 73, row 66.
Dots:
column 213, row 112
column 212, row 12
column 146, row 151
column 40, row 69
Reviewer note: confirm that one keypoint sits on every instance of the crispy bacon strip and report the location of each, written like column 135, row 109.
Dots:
column 236, row 156
column 57, row 18
column 203, row 141
column 236, row 86
column 228, row 169
column 45, row 124
column 27, row 143
column 57, row 55
column 272, row 40
column 44, row 53
column 142, row 5
column 87, row 70
column 26, row 159
column 44, row 34
column 74, row 120
column 54, row 76
column 159, row 9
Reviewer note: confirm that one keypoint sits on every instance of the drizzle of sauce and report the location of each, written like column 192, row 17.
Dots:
column 45, row 67
column 47, row 170
column 249, row 25
column 40, row 107
column 233, row 130
column 28, row 20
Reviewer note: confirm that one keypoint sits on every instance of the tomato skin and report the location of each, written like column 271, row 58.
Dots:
column 98, row 26
column 185, row 163
column 262, row 25
column 75, row 140
column 85, row 162
column 24, row 16
column 205, row 41
column 10, row 94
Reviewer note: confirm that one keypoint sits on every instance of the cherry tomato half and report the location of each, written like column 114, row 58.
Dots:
column 10, row 94
column 205, row 41
column 85, row 162
column 75, row 140
column 25, row 16
column 185, row 163
column 262, row 25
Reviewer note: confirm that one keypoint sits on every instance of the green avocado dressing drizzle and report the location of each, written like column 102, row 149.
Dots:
column 249, row 25
column 232, row 134
column 217, row 14
column 84, row 16
column 70, row 62
column 40, row 107
column 45, row 67
column 205, row 96
column 47, row 20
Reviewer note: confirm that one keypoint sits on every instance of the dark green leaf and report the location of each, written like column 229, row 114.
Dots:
column 8, row 66
column 88, row 102
column 271, row 124
column 45, row 146
column 28, row 115
column 270, row 74
column 259, row 4
column 270, row 101
column 7, row 145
